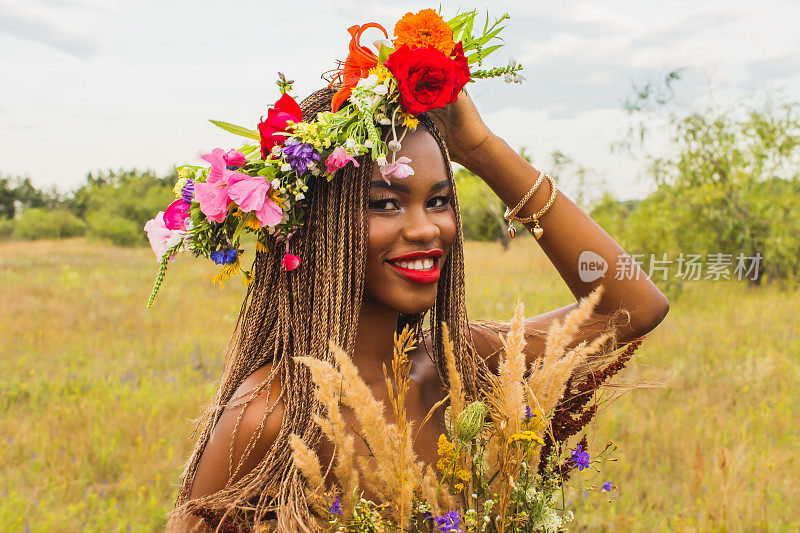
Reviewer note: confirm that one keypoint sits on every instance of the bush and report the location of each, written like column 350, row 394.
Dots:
column 39, row 223
column 109, row 227
column 6, row 228
column 481, row 210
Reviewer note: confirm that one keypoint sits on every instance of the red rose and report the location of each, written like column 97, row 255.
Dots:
column 426, row 78
column 273, row 129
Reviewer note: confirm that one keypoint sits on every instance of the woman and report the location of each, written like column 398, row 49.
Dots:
column 378, row 256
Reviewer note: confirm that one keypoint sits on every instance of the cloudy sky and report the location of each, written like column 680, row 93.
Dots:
column 97, row 84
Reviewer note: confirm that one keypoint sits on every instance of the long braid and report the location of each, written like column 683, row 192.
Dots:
column 285, row 315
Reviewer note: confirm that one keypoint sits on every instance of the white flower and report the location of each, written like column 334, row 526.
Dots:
column 512, row 62
column 276, row 151
column 350, row 143
column 369, row 81
column 519, row 78
column 508, row 77
column 299, row 196
column 385, row 121
column 381, row 161
column 394, row 146
column 315, row 172
column 286, row 167
column 368, row 143
column 381, row 90
column 275, row 183
column 174, row 238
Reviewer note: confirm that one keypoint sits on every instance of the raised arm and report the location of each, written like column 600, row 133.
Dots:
column 568, row 231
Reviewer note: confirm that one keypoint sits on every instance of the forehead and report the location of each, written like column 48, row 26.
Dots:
column 427, row 160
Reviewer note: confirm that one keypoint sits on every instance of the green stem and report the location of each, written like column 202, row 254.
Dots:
column 162, row 271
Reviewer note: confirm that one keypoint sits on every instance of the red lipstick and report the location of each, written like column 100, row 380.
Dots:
column 418, row 276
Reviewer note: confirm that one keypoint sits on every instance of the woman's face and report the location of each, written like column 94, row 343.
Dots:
column 412, row 227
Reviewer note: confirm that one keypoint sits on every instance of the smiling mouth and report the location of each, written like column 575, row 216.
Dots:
column 422, row 265
column 418, row 267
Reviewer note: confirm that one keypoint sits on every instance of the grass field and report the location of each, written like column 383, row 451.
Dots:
column 96, row 393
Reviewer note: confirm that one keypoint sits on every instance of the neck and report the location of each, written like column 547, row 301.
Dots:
column 374, row 340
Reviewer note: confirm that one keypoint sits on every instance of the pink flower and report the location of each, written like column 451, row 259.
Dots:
column 234, row 158
column 291, row 261
column 176, row 214
column 160, row 236
column 252, row 193
column 213, row 194
column 338, row 159
column 399, row 169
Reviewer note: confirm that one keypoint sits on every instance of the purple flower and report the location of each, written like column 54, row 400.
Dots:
column 336, row 508
column 608, row 486
column 224, row 257
column 187, row 193
column 528, row 413
column 449, row 523
column 299, row 155
column 580, row 457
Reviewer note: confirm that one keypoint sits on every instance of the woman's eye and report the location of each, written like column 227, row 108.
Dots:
column 383, row 205
column 439, row 201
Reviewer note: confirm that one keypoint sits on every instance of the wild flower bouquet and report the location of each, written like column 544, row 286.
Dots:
column 504, row 459
column 260, row 187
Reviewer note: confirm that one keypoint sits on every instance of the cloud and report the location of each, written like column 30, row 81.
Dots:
column 27, row 23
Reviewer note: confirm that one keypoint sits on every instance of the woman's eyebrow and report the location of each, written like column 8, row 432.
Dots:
column 441, row 185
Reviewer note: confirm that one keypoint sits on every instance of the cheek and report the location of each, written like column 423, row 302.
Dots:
column 380, row 236
column 448, row 229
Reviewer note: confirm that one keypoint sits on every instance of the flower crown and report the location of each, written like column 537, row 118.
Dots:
column 260, row 188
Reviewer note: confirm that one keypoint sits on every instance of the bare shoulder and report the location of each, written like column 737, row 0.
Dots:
column 243, row 434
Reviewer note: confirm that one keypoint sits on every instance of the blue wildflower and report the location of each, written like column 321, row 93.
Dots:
column 224, row 257
column 449, row 522
column 299, row 155
column 608, row 486
column 528, row 413
column 580, row 457
column 187, row 193
column 336, row 508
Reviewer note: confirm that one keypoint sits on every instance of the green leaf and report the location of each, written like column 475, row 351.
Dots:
column 237, row 130
column 474, row 58
column 384, row 54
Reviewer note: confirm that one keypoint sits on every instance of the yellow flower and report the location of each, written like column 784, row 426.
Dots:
column 276, row 197
column 457, row 475
column 409, row 120
column 381, row 72
column 525, row 436
column 252, row 223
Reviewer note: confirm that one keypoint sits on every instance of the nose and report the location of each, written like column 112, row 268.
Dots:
column 420, row 227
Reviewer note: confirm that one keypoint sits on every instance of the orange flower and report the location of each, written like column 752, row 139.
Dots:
column 360, row 60
column 426, row 28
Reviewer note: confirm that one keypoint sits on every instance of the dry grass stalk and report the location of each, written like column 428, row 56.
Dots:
column 393, row 472
column 398, row 391
column 456, row 392
column 329, row 383
column 549, row 374
column 307, row 461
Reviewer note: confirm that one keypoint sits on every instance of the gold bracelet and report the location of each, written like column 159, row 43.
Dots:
column 537, row 229
column 510, row 215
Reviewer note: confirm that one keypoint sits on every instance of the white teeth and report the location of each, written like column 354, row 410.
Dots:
column 418, row 264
